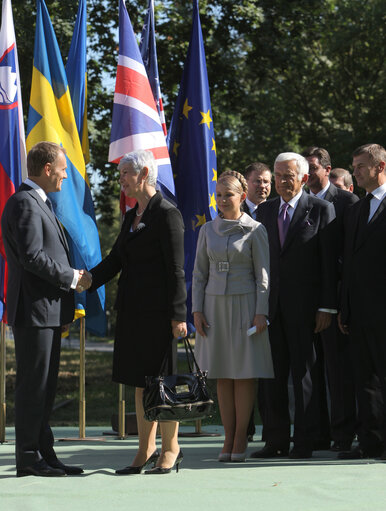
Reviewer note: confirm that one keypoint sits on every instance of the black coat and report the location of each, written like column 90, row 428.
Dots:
column 303, row 272
column 151, row 289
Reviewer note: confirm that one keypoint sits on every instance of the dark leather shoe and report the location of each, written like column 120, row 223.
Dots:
column 68, row 469
column 40, row 468
column 321, row 445
column 338, row 446
column 383, row 456
column 298, row 453
column 358, row 454
column 269, row 452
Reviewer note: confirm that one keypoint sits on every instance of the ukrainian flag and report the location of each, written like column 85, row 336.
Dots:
column 51, row 117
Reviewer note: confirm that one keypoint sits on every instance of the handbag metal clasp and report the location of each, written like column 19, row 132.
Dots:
column 223, row 266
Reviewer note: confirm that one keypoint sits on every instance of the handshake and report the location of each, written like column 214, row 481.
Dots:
column 84, row 281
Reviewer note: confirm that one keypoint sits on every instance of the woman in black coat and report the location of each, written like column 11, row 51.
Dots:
column 151, row 309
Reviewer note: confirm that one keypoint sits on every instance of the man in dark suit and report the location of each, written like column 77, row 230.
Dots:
column 333, row 354
column 302, row 298
column 40, row 302
column 259, row 177
column 363, row 298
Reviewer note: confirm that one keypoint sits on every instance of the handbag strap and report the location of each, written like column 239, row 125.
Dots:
column 191, row 359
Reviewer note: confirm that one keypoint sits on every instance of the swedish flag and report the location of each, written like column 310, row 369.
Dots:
column 51, row 117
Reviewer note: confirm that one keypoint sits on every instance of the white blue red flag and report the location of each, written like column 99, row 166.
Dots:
column 136, row 123
column 12, row 140
column 148, row 49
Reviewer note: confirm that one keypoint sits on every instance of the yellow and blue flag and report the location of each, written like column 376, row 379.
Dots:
column 76, row 71
column 51, row 117
column 192, row 149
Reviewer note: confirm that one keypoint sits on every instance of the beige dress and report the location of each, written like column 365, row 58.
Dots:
column 230, row 286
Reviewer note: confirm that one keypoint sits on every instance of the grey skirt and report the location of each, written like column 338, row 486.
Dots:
column 227, row 351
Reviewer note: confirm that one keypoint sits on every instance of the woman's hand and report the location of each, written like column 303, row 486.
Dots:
column 179, row 329
column 260, row 322
column 200, row 323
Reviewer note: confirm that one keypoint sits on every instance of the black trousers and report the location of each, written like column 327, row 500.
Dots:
column 369, row 354
column 335, row 362
column 292, row 345
column 37, row 366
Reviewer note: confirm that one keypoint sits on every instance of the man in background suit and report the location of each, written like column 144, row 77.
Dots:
column 332, row 348
column 302, row 297
column 342, row 179
column 259, row 177
column 363, row 299
column 40, row 302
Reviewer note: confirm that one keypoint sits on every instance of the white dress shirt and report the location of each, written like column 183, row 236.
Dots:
column 378, row 196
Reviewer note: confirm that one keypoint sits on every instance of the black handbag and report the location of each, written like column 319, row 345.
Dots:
column 178, row 397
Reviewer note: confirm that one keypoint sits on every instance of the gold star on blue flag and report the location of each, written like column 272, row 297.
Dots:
column 194, row 164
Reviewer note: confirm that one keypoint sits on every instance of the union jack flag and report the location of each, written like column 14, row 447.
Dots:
column 148, row 49
column 136, row 123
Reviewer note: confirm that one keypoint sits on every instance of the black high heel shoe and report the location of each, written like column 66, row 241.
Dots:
column 162, row 470
column 127, row 471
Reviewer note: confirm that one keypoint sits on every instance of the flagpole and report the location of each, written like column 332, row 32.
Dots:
column 121, row 412
column 3, row 404
column 82, row 379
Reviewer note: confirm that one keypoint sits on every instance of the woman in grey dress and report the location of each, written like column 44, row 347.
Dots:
column 230, row 295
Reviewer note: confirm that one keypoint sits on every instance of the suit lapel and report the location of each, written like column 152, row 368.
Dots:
column 331, row 194
column 378, row 217
column 271, row 223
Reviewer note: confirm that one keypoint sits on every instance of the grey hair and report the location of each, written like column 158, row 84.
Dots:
column 140, row 159
column 301, row 162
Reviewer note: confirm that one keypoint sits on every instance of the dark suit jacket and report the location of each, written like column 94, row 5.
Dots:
column 151, row 261
column 341, row 199
column 363, row 297
column 39, row 272
column 303, row 272
column 245, row 209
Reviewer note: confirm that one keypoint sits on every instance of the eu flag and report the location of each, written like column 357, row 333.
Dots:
column 51, row 117
column 192, row 149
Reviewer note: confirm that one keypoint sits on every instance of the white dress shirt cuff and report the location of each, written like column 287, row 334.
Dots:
column 331, row 311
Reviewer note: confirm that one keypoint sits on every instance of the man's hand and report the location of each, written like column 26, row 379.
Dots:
column 200, row 323
column 84, row 282
column 342, row 328
column 322, row 321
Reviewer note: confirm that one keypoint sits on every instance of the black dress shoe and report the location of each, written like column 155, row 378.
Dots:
column 321, row 445
column 131, row 470
column 40, row 468
column 338, row 446
column 68, row 469
column 269, row 452
column 300, row 453
column 164, row 470
column 359, row 454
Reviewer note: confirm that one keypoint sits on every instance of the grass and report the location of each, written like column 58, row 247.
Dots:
column 101, row 392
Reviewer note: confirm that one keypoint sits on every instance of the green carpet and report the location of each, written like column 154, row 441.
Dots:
column 322, row 483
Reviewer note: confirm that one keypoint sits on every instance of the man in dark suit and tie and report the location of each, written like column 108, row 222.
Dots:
column 259, row 177
column 333, row 354
column 363, row 298
column 40, row 302
column 302, row 298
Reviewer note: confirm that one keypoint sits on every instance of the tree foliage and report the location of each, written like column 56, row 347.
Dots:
column 283, row 74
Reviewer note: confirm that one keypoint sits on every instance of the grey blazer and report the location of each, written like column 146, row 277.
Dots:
column 39, row 272
column 243, row 244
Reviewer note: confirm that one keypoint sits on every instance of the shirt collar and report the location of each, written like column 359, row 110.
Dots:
column 251, row 205
column 36, row 187
column 294, row 201
column 322, row 193
column 379, row 192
